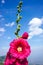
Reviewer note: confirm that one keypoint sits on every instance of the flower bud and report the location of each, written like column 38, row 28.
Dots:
column 25, row 35
column 20, row 3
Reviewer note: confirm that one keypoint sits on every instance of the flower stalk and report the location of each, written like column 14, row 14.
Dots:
column 19, row 17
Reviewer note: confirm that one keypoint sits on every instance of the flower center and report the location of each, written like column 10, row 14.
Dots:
column 19, row 49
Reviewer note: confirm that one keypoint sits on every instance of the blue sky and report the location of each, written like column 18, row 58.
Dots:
column 32, row 22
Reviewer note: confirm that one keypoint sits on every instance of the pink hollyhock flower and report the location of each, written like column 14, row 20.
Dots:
column 24, row 62
column 25, row 35
column 20, row 48
column 21, row 62
column 9, row 59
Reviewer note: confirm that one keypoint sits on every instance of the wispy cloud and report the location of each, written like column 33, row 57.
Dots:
column 2, row 29
column 10, row 24
column 35, row 27
column 2, row 1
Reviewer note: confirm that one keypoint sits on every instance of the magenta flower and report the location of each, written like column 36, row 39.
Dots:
column 9, row 59
column 20, row 48
column 21, row 62
column 25, row 35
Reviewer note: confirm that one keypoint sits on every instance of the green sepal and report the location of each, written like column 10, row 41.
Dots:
column 17, row 6
column 20, row 3
column 18, row 29
column 19, row 25
column 17, row 21
column 19, row 10
column 20, row 17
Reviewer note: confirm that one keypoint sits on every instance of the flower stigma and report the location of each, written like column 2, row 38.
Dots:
column 19, row 49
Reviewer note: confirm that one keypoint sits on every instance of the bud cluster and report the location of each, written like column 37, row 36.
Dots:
column 19, row 17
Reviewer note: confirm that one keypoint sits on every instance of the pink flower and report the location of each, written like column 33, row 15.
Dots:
column 18, row 62
column 9, row 59
column 25, row 35
column 21, row 62
column 20, row 48
column 14, row 61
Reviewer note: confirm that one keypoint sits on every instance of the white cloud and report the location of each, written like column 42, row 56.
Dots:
column 9, row 24
column 35, row 27
column 2, row 30
column 35, row 22
column 3, row 1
